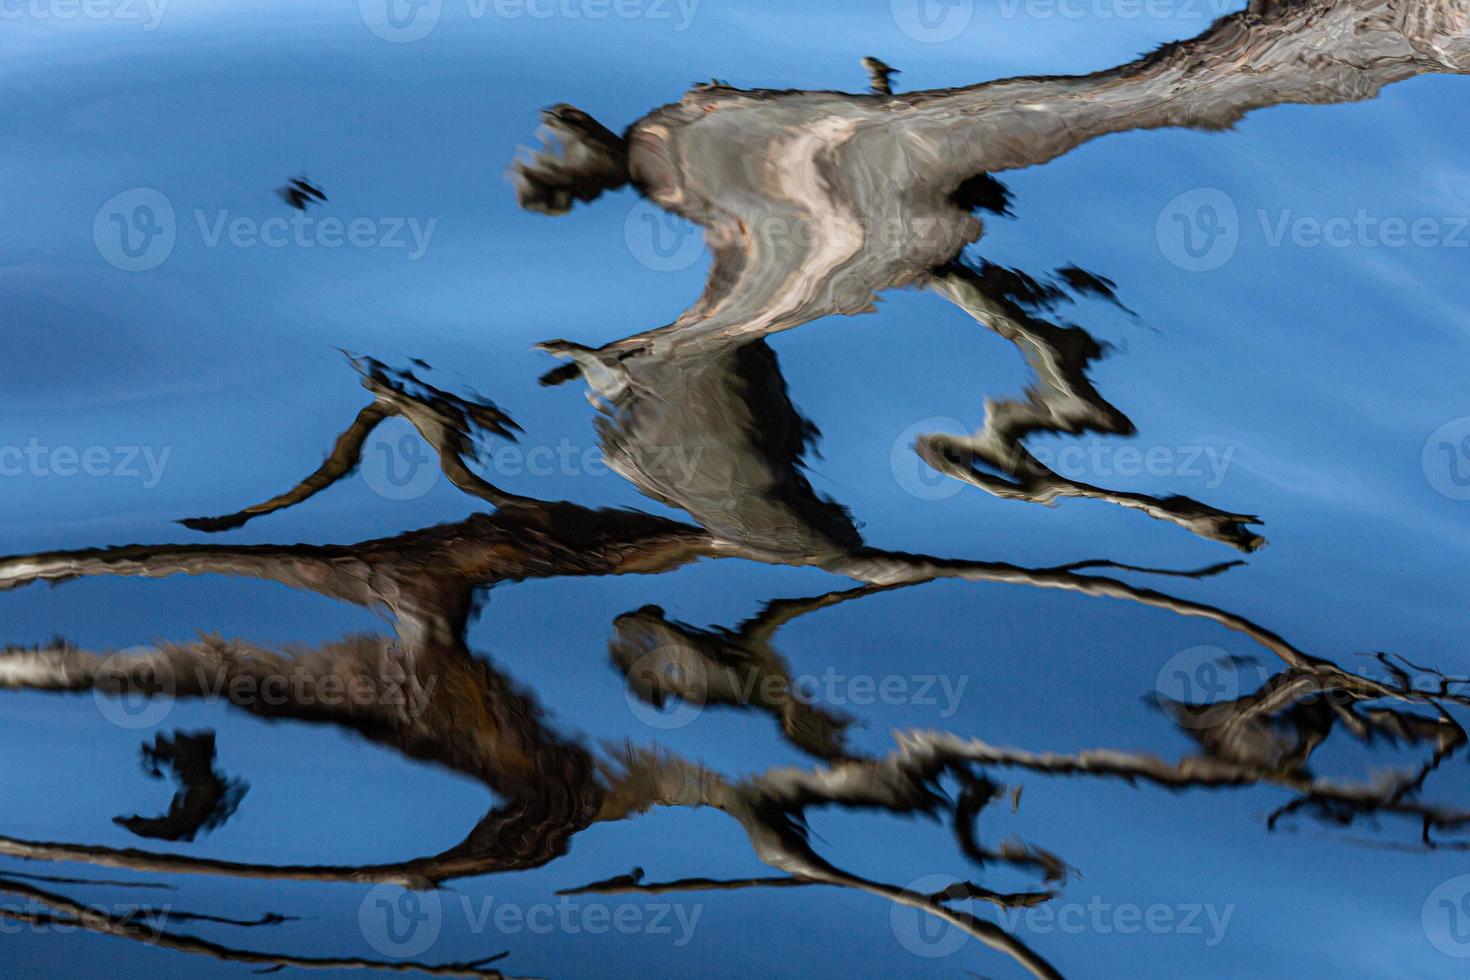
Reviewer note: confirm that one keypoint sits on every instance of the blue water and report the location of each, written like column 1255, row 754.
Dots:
column 1315, row 374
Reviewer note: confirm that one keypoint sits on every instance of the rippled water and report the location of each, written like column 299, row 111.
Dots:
column 1021, row 531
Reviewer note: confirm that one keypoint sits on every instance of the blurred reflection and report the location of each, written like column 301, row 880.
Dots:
column 205, row 800
column 663, row 659
column 425, row 695
column 867, row 192
column 814, row 202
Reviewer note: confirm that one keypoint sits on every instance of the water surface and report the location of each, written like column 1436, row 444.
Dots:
column 1091, row 604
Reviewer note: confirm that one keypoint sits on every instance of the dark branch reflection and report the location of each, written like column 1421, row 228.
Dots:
column 425, row 695
column 697, row 416
column 205, row 799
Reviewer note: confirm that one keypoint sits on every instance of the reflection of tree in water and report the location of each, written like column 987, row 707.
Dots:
column 815, row 202
column 664, row 659
column 428, row 697
column 709, row 387
column 205, row 798
column 1063, row 400
column 147, row 925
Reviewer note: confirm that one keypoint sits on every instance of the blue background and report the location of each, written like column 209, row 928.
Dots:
column 1324, row 369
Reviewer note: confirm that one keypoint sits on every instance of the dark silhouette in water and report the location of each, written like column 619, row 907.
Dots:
column 663, row 660
column 880, row 75
column 205, row 799
column 430, row 699
column 300, row 192
column 814, row 202
column 697, row 416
